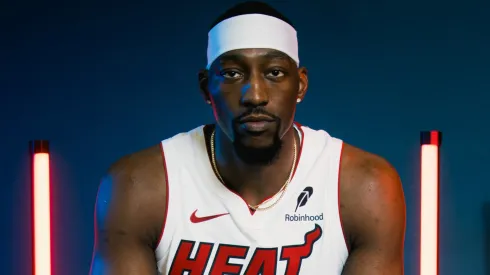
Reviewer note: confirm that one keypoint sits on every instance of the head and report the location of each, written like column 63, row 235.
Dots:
column 253, row 89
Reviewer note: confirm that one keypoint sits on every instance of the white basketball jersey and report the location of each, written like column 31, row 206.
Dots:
column 210, row 229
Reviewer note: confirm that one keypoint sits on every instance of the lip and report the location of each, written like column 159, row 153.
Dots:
column 254, row 119
column 256, row 126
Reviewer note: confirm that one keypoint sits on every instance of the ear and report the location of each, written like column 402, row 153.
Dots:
column 303, row 83
column 203, row 78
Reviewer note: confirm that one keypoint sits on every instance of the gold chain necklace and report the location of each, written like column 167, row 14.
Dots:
column 283, row 188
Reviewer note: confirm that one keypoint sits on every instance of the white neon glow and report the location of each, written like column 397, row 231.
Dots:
column 42, row 218
column 429, row 210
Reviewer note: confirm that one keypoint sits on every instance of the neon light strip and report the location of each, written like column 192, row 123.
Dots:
column 429, row 214
column 41, row 208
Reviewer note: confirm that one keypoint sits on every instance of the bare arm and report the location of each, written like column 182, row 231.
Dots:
column 129, row 217
column 374, row 216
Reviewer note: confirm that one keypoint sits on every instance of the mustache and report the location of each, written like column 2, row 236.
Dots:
column 256, row 112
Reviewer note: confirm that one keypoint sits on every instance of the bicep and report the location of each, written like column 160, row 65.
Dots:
column 124, row 231
column 374, row 261
column 123, row 258
column 378, row 224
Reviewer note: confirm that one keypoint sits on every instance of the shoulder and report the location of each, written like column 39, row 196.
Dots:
column 131, row 196
column 371, row 196
column 141, row 167
column 361, row 167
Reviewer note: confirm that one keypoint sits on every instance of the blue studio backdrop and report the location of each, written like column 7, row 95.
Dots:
column 101, row 81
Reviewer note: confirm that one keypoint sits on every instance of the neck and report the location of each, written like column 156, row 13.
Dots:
column 254, row 182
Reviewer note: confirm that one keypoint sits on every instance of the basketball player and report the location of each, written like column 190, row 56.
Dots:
column 256, row 193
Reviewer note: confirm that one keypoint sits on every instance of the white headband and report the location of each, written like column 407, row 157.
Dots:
column 251, row 31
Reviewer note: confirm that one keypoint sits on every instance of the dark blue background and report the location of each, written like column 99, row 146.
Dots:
column 100, row 81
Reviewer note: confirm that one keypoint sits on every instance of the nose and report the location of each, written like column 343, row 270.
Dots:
column 254, row 93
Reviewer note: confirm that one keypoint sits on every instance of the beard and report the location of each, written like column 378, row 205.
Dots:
column 257, row 156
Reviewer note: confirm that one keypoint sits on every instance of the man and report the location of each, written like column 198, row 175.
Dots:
column 256, row 193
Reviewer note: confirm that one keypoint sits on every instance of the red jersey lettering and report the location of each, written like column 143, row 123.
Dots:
column 264, row 261
column 183, row 262
column 222, row 264
column 295, row 254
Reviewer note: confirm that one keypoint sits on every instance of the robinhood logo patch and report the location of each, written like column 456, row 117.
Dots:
column 304, row 197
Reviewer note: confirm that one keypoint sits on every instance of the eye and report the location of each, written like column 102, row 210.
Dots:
column 275, row 73
column 231, row 74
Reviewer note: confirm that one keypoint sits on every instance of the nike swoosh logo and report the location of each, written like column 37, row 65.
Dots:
column 196, row 219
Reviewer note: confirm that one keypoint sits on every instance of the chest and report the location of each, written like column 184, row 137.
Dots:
column 227, row 248
column 214, row 237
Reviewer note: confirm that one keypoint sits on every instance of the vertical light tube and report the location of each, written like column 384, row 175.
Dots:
column 430, row 142
column 41, row 212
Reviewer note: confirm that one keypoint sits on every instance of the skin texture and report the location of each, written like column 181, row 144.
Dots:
column 372, row 205
column 238, row 83
column 127, row 227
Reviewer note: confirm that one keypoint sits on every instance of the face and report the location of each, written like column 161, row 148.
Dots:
column 253, row 93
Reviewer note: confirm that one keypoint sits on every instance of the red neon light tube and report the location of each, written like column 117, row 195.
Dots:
column 430, row 142
column 41, row 208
